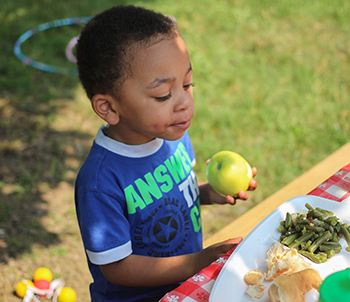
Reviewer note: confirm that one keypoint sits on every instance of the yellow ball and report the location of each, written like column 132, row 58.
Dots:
column 67, row 294
column 42, row 273
column 21, row 288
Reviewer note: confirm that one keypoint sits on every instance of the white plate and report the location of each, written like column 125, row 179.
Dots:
column 251, row 252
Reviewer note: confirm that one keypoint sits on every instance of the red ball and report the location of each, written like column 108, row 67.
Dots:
column 42, row 284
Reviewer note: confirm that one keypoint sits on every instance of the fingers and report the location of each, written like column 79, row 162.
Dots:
column 227, row 245
column 234, row 240
column 255, row 171
column 243, row 195
column 253, row 185
column 230, row 200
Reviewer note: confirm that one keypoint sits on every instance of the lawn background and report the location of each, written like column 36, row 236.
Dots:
column 272, row 83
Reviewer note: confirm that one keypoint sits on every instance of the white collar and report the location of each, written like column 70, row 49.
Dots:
column 114, row 146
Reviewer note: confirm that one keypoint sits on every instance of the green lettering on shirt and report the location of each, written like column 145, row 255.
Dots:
column 133, row 200
column 196, row 219
column 161, row 176
column 148, row 188
column 185, row 158
column 175, row 166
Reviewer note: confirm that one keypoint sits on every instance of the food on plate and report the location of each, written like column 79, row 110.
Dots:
column 280, row 261
column 254, row 277
column 314, row 232
column 283, row 261
column 255, row 291
column 292, row 288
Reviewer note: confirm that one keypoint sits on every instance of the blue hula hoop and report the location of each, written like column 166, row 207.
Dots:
column 38, row 65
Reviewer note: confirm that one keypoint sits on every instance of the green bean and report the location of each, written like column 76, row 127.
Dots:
column 317, row 214
column 329, row 213
column 331, row 253
column 305, row 237
column 331, row 243
column 288, row 222
column 302, row 221
column 309, row 207
column 282, row 229
column 317, row 258
column 289, row 239
column 327, row 248
column 332, row 221
column 298, row 227
column 318, row 223
column 294, row 244
column 291, row 232
column 335, row 237
column 315, row 234
column 327, row 235
column 346, row 233
column 306, row 246
column 319, row 229
column 303, row 231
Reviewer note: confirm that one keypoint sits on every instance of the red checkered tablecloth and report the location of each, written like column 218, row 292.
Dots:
column 198, row 287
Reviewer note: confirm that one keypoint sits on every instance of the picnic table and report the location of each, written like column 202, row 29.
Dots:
column 329, row 179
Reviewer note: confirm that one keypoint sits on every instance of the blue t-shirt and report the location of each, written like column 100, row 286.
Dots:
column 141, row 200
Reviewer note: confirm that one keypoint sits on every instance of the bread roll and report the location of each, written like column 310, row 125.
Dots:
column 291, row 288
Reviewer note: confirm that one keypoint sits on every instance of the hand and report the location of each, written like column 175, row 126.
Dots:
column 213, row 252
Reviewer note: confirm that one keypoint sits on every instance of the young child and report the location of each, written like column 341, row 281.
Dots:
column 137, row 197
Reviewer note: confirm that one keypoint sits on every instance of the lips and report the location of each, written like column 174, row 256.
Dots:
column 183, row 125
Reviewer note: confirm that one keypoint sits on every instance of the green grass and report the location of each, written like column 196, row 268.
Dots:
column 272, row 83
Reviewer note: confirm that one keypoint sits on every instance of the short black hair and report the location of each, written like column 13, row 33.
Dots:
column 104, row 42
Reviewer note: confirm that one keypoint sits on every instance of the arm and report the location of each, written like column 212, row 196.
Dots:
column 209, row 196
column 136, row 270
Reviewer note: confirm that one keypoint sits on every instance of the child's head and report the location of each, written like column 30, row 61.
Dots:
column 104, row 49
column 135, row 68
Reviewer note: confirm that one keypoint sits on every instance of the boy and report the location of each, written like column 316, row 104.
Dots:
column 137, row 196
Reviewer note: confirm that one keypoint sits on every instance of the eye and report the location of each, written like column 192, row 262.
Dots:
column 188, row 86
column 163, row 98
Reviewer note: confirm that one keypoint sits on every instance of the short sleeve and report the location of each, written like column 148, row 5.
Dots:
column 104, row 228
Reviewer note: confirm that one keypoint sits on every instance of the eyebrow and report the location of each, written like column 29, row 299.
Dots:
column 157, row 82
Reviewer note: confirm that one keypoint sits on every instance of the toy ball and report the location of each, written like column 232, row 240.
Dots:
column 21, row 287
column 42, row 273
column 42, row 284
column 67, row 294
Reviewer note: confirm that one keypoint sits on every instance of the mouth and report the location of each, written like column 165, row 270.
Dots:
column 183, row 125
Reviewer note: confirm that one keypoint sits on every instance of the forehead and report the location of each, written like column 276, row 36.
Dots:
column 164, row 56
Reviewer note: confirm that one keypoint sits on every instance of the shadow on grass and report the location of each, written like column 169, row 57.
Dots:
column 33, row 159
column 33, row 155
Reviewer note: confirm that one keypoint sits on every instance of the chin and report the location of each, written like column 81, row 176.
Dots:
column 173, row 137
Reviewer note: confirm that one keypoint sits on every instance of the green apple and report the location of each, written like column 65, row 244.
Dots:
column 228, row 173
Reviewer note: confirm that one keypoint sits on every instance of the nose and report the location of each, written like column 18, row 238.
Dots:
column 184, row 101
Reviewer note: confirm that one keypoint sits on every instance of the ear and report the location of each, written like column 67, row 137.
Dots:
column 105, row 106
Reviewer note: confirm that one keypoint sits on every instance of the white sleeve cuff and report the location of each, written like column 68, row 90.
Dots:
column 109, row 256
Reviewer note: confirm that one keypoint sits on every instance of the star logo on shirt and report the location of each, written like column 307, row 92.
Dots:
column 165, row 229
